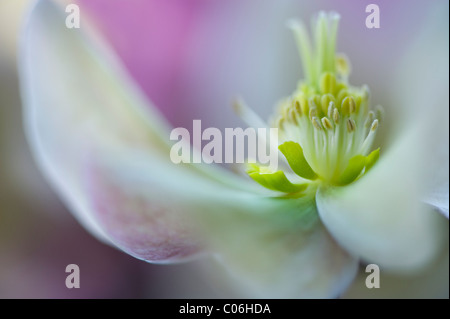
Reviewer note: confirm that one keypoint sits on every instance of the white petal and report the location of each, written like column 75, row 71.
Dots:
column 422, row 83
column 284, row 253
column 72, row 101
column 380, row 217
column 271, row 247
column 439, row 188
column 79, row 103
column 292, row 265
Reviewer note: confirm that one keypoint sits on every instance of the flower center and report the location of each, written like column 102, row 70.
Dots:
column 331, row 123
column 326, row 127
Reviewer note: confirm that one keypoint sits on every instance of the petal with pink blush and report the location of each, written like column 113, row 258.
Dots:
column 158, row 211
column 79, row 102
column 143, row 224
column 77, row 99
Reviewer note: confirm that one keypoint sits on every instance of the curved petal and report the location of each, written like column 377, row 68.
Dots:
column 271, row 247
column 380, row 218
column 283, row 254
column 423, row 81
column 79, row 103
column 148, row 222
column 439, row 184
column 151, row 208
column 69, row 103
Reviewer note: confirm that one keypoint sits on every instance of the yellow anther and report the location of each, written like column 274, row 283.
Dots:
column 358, row 102
column 291, row 104
column 351, row 125
column 316, row 123
column 374, row 126
column 330, row 109
column 336, row 116
column 326, row 123
column 314, row 102
column 343, row 66
column 297, row 107
column 303, row 104
column 342, row 95
column 312, row 113
column 339, row 87
column 348, row 105
column 327, row 83
column 325, row 101
column 293, row 116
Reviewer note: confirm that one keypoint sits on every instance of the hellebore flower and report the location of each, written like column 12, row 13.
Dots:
column 106, row 151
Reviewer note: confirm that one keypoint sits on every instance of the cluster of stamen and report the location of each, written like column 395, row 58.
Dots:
column 332, row 125
column 326, row 127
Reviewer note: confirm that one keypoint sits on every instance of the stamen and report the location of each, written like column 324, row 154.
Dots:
column 374, row 126
column 365, row 147
column 336, row 116
column 312, row 113
column 328, row 83
column 325, row 101
column 348, row 105
column 326, row 123
column 315, row 121
column 330, row 109
column 312, row 102
column 343, row 66
column 330, row 119
column 369, row 119
column 351, row 125
column 298, row 108
column 342, row 94
column 293, row 117
column 303, row 104
column 380, row 113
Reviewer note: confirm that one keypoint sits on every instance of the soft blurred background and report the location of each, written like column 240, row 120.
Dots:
column 190, row 58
